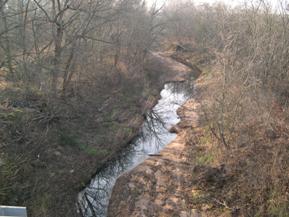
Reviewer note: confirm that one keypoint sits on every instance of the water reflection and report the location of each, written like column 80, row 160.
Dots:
column 153, row 136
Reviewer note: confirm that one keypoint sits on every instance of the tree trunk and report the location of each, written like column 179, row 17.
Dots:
column 7, row 42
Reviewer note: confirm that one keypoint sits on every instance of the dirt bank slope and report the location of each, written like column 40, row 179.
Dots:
column 161, row 185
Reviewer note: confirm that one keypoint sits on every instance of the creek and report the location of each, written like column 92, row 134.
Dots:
column 154, row 135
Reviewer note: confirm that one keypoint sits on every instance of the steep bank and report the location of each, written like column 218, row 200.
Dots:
column 55, row 164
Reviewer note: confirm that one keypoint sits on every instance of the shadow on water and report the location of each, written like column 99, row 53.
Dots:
column 153, row 136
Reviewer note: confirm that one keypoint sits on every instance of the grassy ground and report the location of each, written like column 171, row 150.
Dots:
column 246, row 180
column 48, row 155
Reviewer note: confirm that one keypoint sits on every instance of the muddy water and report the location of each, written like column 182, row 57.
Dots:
column 154, row 135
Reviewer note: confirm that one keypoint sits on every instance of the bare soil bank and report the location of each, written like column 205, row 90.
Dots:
column 161, row 185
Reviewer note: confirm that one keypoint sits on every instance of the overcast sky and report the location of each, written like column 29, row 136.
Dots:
column 229, row 2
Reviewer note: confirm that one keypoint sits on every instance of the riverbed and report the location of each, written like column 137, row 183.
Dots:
column 154, row 135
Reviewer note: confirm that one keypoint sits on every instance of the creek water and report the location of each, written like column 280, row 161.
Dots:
column 154, row 135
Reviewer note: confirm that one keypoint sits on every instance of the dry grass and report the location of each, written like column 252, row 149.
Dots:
column 245, row 127
column 256, row 163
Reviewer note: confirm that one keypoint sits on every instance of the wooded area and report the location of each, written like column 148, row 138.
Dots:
column 75, row 87
column 45, row 43
column 243, row 52
column 74, row 91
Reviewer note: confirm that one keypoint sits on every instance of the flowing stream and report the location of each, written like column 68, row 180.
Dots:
column 153, row 136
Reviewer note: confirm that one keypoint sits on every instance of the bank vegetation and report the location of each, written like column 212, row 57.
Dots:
column 243, row 52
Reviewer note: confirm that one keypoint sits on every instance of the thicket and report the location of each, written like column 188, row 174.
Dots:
column 72, row 83
column 247, row 111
